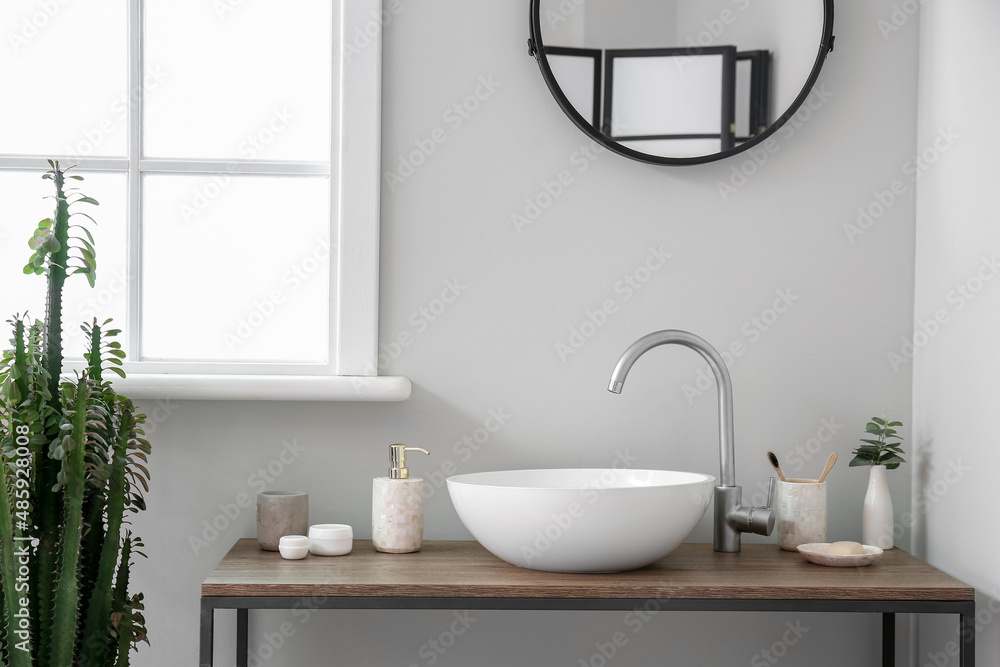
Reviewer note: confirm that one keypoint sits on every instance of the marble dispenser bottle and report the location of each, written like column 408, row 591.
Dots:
column 398, row 506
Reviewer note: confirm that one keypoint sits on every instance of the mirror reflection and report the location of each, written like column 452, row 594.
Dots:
column 680, row 78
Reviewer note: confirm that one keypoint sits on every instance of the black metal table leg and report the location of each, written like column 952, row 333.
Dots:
column 242, row 636
column 888, row 640
column 206, row 647
column 967, row 640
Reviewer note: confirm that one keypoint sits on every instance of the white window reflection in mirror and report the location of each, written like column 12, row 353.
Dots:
column 777, row 45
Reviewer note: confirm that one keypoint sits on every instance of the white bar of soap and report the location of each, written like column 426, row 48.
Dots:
column 845, row 548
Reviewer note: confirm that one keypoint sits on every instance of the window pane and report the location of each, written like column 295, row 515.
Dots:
column 236, row 268
column 22, row 194
column 63, row 73
column 250, row 81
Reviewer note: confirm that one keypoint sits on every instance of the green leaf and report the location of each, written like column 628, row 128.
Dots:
column 879, row 421
column 872, row 442
column 873, row 428
column 895, row 423
column 859, row 461
column 87, row 200
column 51, row 244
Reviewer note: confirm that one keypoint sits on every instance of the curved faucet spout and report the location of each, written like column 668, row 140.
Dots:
column 727, row 455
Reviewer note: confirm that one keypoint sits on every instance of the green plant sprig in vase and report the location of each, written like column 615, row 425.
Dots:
column 881, row 451
column 884, row 449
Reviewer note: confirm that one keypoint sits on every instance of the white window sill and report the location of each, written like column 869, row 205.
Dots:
column 176, row 386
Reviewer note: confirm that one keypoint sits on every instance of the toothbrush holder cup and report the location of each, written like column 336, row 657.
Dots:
column 801, row 513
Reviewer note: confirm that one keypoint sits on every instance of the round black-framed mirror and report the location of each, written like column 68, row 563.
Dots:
column 622, row 93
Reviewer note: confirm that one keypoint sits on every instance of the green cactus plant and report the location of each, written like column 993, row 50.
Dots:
column 73, row 463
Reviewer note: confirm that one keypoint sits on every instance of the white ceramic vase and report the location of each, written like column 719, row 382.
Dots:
column 877, row 520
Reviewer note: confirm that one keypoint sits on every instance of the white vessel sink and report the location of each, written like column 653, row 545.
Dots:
column 581, row 520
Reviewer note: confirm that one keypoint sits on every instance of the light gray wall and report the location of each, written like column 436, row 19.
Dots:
column 954, row 385
column 737, row 241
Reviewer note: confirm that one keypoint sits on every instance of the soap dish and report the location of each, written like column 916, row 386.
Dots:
column 815, row 552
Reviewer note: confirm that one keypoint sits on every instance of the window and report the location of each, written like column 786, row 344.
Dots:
column 236, row 254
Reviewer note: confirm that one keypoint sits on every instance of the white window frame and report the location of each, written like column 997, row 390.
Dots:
column 351, row 373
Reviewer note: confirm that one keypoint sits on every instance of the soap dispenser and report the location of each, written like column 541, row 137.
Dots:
column 398, row 506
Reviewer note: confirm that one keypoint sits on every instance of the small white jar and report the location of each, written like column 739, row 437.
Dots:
column 293, row 547
column 331, row 539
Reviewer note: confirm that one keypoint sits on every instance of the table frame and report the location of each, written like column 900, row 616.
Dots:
column 966, row 610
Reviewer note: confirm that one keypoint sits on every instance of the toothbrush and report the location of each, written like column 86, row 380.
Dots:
column 829, row 466
column 774, row 462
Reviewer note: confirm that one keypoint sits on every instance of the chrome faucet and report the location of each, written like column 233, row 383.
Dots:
column 732, row 518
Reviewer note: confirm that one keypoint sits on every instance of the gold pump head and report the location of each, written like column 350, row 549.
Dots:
column 397, row 458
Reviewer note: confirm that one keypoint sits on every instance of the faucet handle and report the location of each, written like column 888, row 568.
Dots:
column 761, row 519
column 746, row 519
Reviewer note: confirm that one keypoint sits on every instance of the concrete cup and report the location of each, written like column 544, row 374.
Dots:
column 280, row 513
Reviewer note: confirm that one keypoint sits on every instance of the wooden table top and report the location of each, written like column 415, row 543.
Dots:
column 448, row 569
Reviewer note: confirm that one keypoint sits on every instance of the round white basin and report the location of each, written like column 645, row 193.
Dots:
column 581, row 520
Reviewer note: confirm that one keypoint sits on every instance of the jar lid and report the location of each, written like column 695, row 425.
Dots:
column 331, row 531
column 293, row 541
